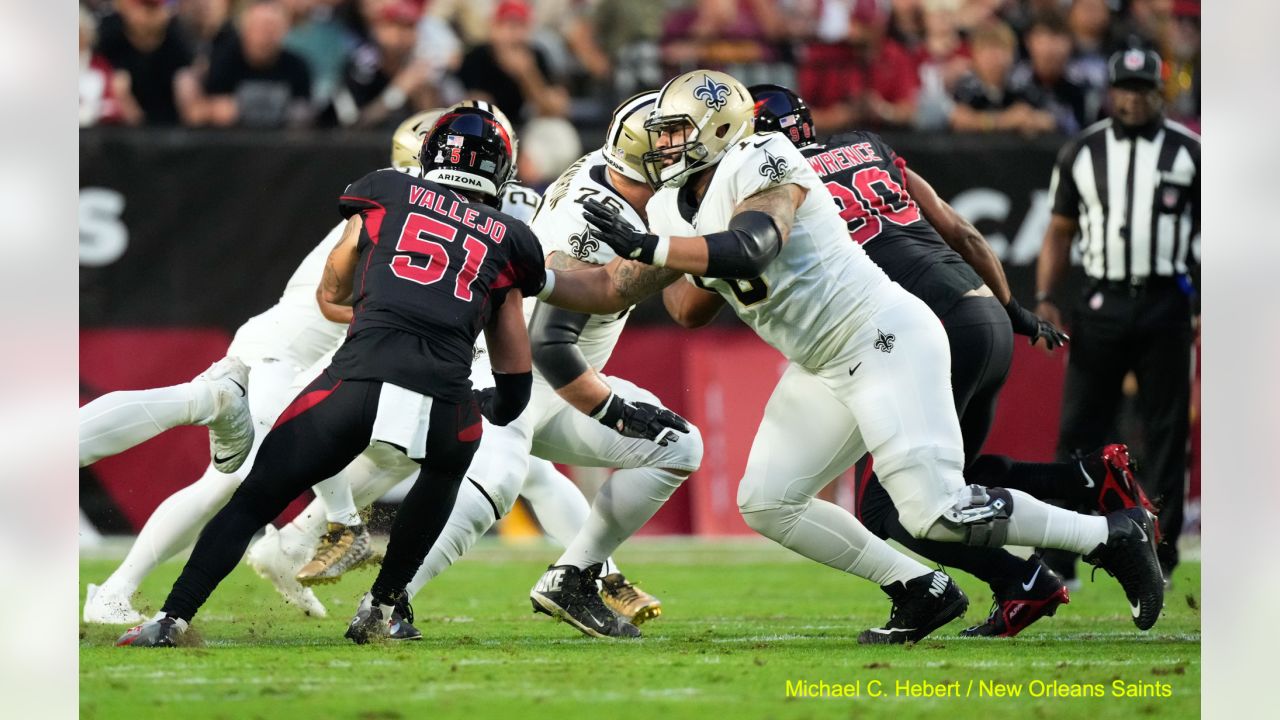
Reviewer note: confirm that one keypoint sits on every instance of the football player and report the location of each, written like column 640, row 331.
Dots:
column 868, row 365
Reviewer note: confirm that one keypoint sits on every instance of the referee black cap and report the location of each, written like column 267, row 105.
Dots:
column 1135, row 67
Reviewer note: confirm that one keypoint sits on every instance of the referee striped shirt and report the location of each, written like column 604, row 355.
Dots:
column 1136, row 197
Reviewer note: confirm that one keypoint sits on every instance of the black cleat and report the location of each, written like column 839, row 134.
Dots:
column 1018, row 604
column 370, row 622
column 1129, row 555
column 163, row 631
column 570, row 594
column 920, row 606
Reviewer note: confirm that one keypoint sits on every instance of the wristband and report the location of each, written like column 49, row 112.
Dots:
column 602, row 408
column 1043, row 296
column 660, row 251
column 549, row 285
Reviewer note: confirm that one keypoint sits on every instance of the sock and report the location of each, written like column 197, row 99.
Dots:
column 117, row 421
column 172, row 527
column 1047, row 481
column 624, row 504
column 559, row 505
column 831, row 535
column 422, row 517
column 1039, row 524
column 994, row 566
column 340, row 506
column 471, row 518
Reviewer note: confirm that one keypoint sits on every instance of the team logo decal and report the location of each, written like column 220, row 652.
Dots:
column 1134, row 60
column 773, row 168
column 884, row 341
column 714, row 94
column 583, row 245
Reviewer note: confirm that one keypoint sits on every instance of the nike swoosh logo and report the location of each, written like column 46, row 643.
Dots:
column 1088, row 481
column 243, row 392
column 1135, row 609
column 890, row 631
column 854, row 369
column 1027, row 585
column 232, row 456
column 1141, row 531
column 760, row 144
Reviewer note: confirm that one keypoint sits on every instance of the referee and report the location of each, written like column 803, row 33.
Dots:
column 1129, row 186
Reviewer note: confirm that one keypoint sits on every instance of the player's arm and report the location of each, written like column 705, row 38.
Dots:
column 601, row 290
column 1055, row 258
column 511, row 360
column 760, row 226
column 690, row 305
column 334, row 294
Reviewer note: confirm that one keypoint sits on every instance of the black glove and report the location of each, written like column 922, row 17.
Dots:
column 1033, row 326
column 484, row 398
column 640, row 420
column 618, row 234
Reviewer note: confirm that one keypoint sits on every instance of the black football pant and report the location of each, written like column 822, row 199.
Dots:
column 981, row 342
column 321, row 431
column 1146, row 330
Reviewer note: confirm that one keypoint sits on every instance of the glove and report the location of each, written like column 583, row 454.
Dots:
column 618, row 234
column 484, row 398
column 640, row 420
column 1033, row 326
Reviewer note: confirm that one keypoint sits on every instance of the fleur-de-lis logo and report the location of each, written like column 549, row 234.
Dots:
column 583, row 245
column 773, row 168
column 714, row 94
column 884, row 341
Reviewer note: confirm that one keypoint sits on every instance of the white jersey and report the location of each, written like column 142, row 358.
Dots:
column 561, row 227
column 820, row 288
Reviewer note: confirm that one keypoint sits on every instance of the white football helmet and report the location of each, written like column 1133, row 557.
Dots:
column 699, row 115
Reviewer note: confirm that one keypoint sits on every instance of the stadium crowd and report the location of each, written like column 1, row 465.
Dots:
column 1026, row 66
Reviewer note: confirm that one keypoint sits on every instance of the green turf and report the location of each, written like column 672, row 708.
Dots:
column 742, row 619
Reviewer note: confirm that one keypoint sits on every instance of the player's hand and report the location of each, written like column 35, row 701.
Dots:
column 1035, row 327
column 641, row 420
column 618, row 234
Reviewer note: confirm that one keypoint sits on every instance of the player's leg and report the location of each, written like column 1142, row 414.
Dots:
column 118, row 421
column 453, row 435
column 647, row 476
column 174, row 525
column 324, row 428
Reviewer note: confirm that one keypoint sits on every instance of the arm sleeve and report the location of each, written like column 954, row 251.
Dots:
column 1062, row 185
column 553, row 336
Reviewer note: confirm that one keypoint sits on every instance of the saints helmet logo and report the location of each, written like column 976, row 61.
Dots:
column 884, row 341
column 714, row 94
column 583, row 245
column 774, row 168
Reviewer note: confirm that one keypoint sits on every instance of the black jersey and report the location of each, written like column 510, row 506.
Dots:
column 868, row 182
column 433, row 268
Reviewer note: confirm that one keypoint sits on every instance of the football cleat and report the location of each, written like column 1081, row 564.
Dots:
column 570, row 594
column 920, row 606
column 109, row 609
column 1108, row 472
column 1021, row 603
column 231, row 428
column 371, row 622
column 342, row 548
column 628, row 601
column 278, row 563
column 160, row 631
column 1129, row 555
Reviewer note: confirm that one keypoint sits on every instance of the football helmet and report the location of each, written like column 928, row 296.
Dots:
column 701, row 114
column 627, row 141
column 778, row 109
column 470, row 150
column 406, row 143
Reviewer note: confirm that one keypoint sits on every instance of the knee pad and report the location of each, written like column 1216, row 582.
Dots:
column 684, row 454
column 980, row 516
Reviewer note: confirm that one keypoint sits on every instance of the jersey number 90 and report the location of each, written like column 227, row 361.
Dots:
column 874, row 195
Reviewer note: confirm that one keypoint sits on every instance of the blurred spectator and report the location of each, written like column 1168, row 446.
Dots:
column 256, row 82
column 985, row 100
column 320, row 38
column 629, row 34
column 384, row 82
column 509, row 71
column 471, row 18
column 1090, row 23
column 1042, row 80
column 1150, row 24
column 104, row 91
column 943, row 59
column 1182, row 87
column 547, row 147
column 145, row 40
column 208, row 24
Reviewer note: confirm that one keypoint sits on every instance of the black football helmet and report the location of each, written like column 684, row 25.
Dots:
column 778, row 109
column 469, row 149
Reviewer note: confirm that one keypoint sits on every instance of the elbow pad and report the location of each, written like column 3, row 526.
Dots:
column 553, row 337
column 507, row 398
column 746, row 248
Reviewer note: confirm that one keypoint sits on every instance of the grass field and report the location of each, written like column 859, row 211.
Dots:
column 742, row 620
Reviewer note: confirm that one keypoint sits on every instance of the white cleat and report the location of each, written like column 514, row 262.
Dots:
column 280, row 565
column 231, row 429
column 107, row 609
